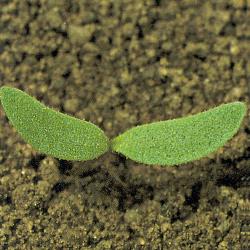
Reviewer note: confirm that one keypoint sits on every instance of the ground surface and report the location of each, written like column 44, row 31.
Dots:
column 119, row 64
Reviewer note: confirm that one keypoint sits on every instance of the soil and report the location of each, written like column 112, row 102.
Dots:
column 119, row 64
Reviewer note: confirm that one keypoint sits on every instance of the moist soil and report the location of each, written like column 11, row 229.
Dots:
column 120, row 64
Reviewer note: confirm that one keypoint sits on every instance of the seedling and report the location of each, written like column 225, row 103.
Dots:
column 168, row 142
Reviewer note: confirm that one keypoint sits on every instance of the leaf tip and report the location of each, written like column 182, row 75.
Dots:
column 242, row 108
column 3, row 90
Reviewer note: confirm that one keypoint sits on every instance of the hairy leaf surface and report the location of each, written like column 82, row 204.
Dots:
column 183, row 139
column 51, row 132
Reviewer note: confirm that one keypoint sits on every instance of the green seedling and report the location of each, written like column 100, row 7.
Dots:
column 168, row 142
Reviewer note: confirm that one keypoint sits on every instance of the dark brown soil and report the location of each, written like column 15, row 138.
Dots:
column 119, row 64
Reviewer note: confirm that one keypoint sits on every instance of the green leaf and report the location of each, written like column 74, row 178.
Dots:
column 181, row 140
column 51, row 132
